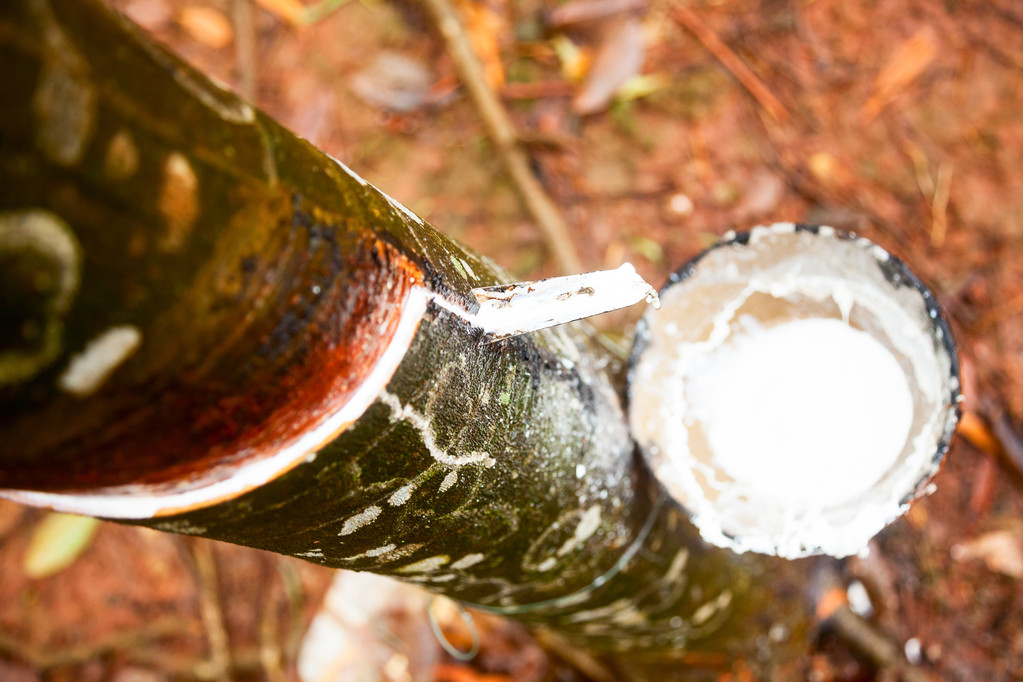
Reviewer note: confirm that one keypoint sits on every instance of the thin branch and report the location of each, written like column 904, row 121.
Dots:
column 245, row 664
column 592, row 667
column 1008, row 438
column 127, row 642
column 990, row 431
column 870, row 642
column 999, row 313
column 537, row 90
column 502, row 133
column 209, row 605
column 1005, row 442
column 296, row 605
column 270, row 650
column 731, row 61
column 245, row 47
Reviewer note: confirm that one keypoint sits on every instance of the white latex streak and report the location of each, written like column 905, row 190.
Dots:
column 514, row 309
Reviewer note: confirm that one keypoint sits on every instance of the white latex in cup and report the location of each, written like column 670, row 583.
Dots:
column 796, row 390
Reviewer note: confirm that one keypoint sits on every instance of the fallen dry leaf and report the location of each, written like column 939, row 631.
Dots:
column 829, row 171
column 452, row 672
column 909, row 61
column 575, row 12
column 973, row 428
column 642, row 85
column 619, row 57
column 1000, row 550
column 983, row 485
column 152, row 15
column 917, row 516
column 207, row 25
column 485, row 28
column 831, row 601
column 394, row 82
column 56, row 542
column 290, row 11
column 10, row 516
column 575, row 59
column 762, row 193
column 369, row 628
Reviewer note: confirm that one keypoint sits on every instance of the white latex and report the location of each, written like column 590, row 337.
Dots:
column 712, row 409
column 513, row 309
column 808, row 412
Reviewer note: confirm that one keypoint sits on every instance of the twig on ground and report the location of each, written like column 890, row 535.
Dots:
column 296, row 606
column 935, row 190
column 245, row 664
column 983, row 486
column 1013, row 306
column 537, row 90
column 939, row 205
column 861, row 635
column 862, row 200
column 589, row 665
column 502, row 133
column 992, row 432
column 209, row 606
column 245, row 47
column 44, row 657
column 1009, row 441
column 692, row 23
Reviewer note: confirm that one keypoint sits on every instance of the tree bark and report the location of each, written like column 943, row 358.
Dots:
column 211, row 328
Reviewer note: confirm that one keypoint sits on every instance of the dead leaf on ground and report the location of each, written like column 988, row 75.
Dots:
column 830, row 172
column 575, row 59
column 762, row 194
column 973, row 428
column 983, row 486
column 1000, row 550
column 485, row 28
column 394, row 82
column 291, row 11
column 909, row 61
column 619, row 57
column 10, row 516
column 152, row 15
column 575, row 12
column 56, row 542
column 369, row 628
column 207, row 25
column 642, row 85
column 450, row 672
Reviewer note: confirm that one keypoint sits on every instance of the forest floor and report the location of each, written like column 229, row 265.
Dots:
column 655, row 129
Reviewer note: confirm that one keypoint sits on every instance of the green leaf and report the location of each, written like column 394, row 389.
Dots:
column 642, row 85
column 56, row 543
column 647, row 248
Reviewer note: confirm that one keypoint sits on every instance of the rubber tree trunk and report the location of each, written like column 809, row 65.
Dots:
column 209, row 327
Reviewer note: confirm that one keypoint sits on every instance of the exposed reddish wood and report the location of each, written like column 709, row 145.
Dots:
column 275, row 375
